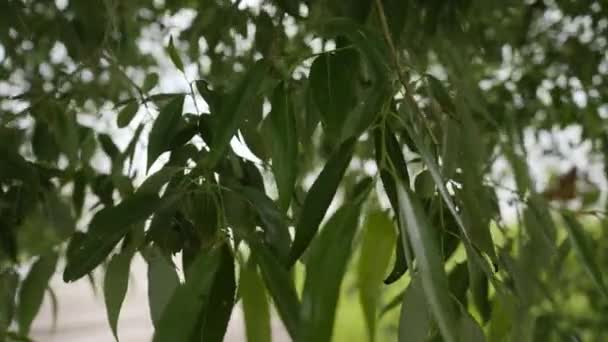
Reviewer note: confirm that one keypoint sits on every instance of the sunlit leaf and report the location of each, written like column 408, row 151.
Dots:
column 256, row 308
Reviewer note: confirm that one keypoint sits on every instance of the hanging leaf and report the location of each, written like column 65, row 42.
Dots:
column 127, row 114
column 178, row 320
column 164, row 129
column 174, row 55
column 217, row 311
column 400, row 266
column 325, row 271
column 378, row 239
column 9, row 280
column 333, row 83
column 256, row 308
column 162, row 282
column 285, row 144
column 279, row 285
column 319, row 198
column 115, row 286
column 32, row 290
column 581, row 248
column 432, row 275
column 105, row 231
column 415, row 319
column 226, row 123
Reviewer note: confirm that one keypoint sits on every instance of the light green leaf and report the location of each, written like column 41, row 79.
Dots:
column 179, row 318
column 127, row 114
column 415, row 318
column 256, row 306
column 115, row 286
column 378, row 241
column 430, row 262
column 32, row 290
column 284, row 145
column 162, row 282
column 582, row 251
column 177, row 61
column 165, row 128
column 319, row 198
column 105, row 231
column 279, row 284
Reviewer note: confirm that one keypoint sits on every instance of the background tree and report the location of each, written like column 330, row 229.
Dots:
column 398, row 112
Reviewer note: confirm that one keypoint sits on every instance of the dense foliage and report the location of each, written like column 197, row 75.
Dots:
column 230, row 143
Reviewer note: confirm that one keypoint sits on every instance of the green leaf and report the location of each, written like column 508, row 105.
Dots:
column 325, row 271
column 115, row 286
column 333, row 84
column 424, row 184
column 180, row 316
column 9, row 280
column 105, row 231
column 218, row 309
column 256, row 308
column 415, row 318
column 32, row 290
column 284, row 145
column 430, row 263
column 226, row 123
column 279, row 284
column 127, row 114
column 581, row 248
column 400, row 266
column 150, row 82
column 319, row 198
column 177, row 61
column 273, row 220
column 378, row 240
column 165, row 128
column 162, row 282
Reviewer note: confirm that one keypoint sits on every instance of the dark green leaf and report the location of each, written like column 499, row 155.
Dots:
column 426, row 250
column 32, row 290
column 150, row 82
column 127, row 114
column 115, row 286
column 9, row 280
column 333, row 83
column 325, row 270
column 319, row 198
column 179, row 318
column 256, row 308
column 284, row 145
column 174, row 55
column 217, row 311
column 105, row 231
column 226, row 123
column 164, row 129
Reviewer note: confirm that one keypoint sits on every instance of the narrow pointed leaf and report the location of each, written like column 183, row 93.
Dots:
column 285, row 144
column 127, row 114
column 32, row 290
column 105, row 230
column 165, row 128
column 378, row 240
column 581, row 248
column 174, row 55
column 319, row 198
column 179, row 318
column 162, row 282
column 256, row 308
column 430, row 263
column 115, row 286
column 415, row 318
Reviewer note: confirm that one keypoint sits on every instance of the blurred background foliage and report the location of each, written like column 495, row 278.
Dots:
column 451, row 107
